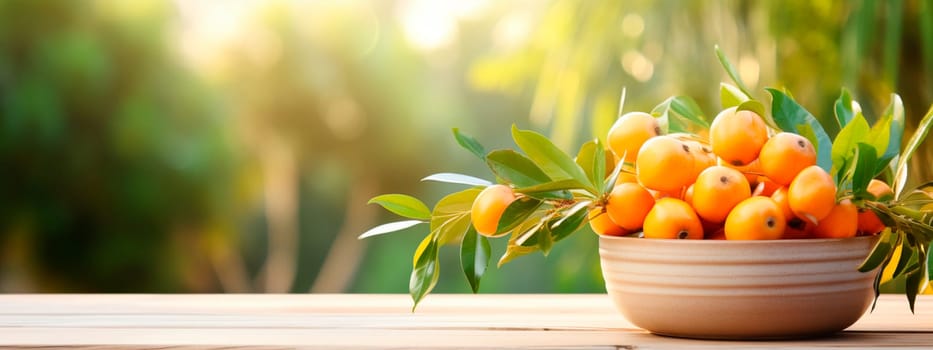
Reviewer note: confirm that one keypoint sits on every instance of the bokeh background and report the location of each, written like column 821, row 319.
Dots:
column 231, row 146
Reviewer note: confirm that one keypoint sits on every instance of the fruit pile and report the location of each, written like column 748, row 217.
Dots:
column 748, row 174
column 745, row 181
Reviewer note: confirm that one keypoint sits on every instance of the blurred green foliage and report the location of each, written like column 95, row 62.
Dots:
column 160, row 145
column 112, row 152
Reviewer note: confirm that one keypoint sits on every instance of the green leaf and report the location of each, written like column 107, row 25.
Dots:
column 516, row 213
column 549, row 195
column 474, row 257
column 570, row 221
column 880, row 252
column 731, row 96
column 470, row 144
column 906, row 256
column 422, row 247
column 730, row 69
column 919, row 196
column 559, row 185
column 916, row 280
column 758, row 108
column 843, row 177
column 929, row 261
column 528, row 236
column 754, row 106
column 880, row 137
column 515, row 168
column 894, row 111
column 455, row 203
column 451, row 215
column 452, row 230
column 864, row 167
column 687, row 107
column 614, row 176
column 792, row 117
column 876, row 286
column 390, row 227
column 592, row 158
column 455, row 178
column 680, row 114
column 545, row 239
column 900, row 176
column 843, row 108
column 425, row 273
column 843, row 148
column 554, row 162
column 403, row 205
column 514, row 251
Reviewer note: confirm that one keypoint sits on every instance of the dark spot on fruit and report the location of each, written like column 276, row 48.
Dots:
column 770, row 222
column 801, row 143
column 796, row 223
column 657, row 130
column 737, row 162
column 682, row 234
column 686, row 148
column 724, row 179
column 707, row 150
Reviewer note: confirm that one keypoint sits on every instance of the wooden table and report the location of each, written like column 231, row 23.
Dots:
column 386, row 321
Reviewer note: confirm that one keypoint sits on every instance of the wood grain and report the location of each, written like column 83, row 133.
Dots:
column 334, row 321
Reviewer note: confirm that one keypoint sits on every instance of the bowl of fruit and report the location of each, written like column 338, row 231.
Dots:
column 750, row 242
column 752, row 224
column 756, row 289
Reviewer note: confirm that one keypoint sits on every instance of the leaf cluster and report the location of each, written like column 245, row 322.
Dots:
column 556, row 192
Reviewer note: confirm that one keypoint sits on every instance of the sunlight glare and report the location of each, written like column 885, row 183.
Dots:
column 638, row 66
column 429, row 25
column 633, row 25
column 749, row 70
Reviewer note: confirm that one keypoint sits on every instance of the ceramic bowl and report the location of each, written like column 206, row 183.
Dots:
column 738, row 289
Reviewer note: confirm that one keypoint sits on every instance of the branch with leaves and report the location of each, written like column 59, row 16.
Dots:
column 555, row 193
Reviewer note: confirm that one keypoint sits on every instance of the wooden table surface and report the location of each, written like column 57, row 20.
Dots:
column 385, row 321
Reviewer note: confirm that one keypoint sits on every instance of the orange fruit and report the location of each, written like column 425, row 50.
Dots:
column 625, row 176
column 665, row 194
column 785, row 155
column 812, row 194
column 780, row 197
column 765, row 187
column 601, row 224
column 751, row 171
column 796, row 228
column 868, row 221
column 755, row 218
column 674, row 219
column 703, row 156
column 717, row 190
column 628, row 204
column 488, row 207
column 880, row 190
column 660, row 164
column 737, row 136
column 688, row 194
column 629, row 132
column 842, row 222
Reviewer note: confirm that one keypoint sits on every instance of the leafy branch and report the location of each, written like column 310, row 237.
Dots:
column 556, row 193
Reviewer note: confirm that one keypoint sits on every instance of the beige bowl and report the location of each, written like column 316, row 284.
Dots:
column 738, row 289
